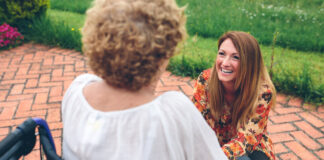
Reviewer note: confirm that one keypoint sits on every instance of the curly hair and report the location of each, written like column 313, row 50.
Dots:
column 128, row 40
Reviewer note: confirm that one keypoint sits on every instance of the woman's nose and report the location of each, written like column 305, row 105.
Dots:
column 226, row 61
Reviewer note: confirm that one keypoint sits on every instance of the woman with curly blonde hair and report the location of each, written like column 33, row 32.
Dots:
column 115, row 114
column 235, row 97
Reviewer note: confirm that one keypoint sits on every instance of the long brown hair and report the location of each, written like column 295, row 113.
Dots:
column 252, row 72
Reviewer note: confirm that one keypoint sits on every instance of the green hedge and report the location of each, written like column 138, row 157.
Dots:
column 18, row 11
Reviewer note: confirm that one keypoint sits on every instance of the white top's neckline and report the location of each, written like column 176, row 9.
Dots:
column 128, row 110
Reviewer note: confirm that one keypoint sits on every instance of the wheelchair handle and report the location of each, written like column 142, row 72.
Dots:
column 26, row 127
column 42, row 123
column 11, row 146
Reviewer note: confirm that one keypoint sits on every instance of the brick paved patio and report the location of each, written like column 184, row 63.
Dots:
column 34, row 77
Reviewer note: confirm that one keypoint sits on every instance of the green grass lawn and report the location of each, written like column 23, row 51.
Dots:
column 299, row 22
column 77, row 6
column 72, row 19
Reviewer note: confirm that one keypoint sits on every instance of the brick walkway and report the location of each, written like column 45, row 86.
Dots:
column 34, row 77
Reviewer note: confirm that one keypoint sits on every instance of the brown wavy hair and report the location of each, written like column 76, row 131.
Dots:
column 252, row 72
column 128, row 40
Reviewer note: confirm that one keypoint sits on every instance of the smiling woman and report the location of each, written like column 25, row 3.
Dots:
column 235, row 97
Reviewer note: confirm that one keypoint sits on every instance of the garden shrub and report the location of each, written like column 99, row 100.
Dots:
column 18, row 11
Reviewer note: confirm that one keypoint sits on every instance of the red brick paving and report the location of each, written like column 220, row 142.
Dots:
column 33, row 79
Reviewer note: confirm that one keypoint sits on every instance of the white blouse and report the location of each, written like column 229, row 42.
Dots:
column 167, row 128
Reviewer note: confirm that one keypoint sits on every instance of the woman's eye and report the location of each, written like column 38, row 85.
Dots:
column 236, row 57
column 221, row 53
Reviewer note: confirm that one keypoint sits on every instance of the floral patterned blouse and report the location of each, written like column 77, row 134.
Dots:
column 246, row 139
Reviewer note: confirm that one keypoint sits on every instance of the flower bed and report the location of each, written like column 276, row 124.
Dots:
column 9, row 36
